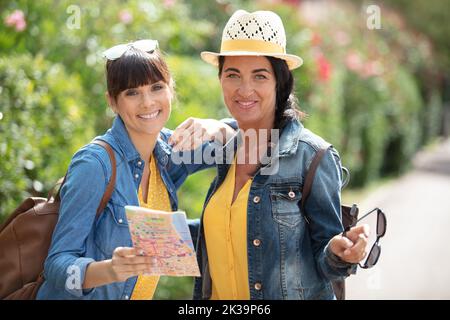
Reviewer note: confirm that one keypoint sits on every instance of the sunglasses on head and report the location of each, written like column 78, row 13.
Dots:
column 116, row 52
column 375, row 251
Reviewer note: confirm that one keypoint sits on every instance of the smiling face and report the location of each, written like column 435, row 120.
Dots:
column 140, row 91
column 249, row 90
column 145, row 109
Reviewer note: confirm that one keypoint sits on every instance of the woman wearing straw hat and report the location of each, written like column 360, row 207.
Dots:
column 254, row 241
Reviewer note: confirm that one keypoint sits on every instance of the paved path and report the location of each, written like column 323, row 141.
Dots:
column 415, row 258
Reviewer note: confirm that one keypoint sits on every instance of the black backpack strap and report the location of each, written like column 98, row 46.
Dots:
column 109, row 189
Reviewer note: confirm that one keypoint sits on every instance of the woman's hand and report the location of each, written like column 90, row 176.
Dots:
column 193, row 132
column 351, row 248
column 125, row 263
column 129, row 262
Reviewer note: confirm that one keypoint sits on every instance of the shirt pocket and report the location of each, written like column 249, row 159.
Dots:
column 117, row 212
column 285, row 204
column 112, row 229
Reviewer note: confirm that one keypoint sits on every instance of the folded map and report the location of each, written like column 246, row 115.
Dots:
column 165, row 236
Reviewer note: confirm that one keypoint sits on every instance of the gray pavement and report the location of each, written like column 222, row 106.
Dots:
column 415, row 256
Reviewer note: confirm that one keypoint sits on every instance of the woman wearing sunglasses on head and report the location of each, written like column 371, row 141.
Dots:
column 255, row 241
column 92, row 257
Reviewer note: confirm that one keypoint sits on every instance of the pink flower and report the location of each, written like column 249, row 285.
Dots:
column 342, row 38
column 169, row 3
column 125, row 17
column 324, row 67
column 353, row 62
column 372, row 69
column 16, row 20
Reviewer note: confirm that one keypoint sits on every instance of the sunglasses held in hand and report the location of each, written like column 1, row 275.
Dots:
column 116, row 52
column 375, row 251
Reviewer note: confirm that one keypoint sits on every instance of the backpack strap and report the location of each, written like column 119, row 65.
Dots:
column 109, row 189
column 309, row 179
column 337, row 285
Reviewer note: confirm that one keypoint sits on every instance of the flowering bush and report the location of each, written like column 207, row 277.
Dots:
column 363, row 89
column 16, row 20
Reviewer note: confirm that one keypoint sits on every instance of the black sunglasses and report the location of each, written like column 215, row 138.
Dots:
column 375, row 251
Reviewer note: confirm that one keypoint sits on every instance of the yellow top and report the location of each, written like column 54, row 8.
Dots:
column 157, row 199
column 225, row 225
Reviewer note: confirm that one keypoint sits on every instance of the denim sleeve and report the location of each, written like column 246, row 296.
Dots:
column 65, row 266
column 324, row 213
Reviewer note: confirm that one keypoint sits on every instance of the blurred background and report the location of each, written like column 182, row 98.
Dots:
column 375, row 83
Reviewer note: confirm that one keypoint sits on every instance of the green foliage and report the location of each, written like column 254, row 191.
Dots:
column 432, row 116
column 198, row 92
column 365, row 128
column 370, row 93
column 101, row 25
column 404, row 106
column 418, row 15
column 43, row 123
column 174, row 288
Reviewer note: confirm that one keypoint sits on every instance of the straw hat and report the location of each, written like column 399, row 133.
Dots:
column 260, row 33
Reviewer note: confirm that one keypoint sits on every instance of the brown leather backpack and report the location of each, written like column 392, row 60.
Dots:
column 25, row 239
column 349, row 213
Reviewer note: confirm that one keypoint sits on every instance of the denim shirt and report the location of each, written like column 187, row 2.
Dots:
column 79, row 238
column 292, row 259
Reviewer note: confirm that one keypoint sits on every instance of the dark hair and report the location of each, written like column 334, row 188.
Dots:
column 135, row 68
column 286, row 102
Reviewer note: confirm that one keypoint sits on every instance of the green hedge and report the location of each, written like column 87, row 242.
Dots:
column 43, row 123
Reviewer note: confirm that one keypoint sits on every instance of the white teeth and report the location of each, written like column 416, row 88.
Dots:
column 149, row 116
column 246, row 103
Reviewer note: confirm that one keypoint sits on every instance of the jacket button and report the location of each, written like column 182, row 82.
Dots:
column 258, row 286
column 139, row 163
column 256, row 199
column 256, row 242
column 120, row 220
column 136, row 176
column 126, row 297
column 291, row 194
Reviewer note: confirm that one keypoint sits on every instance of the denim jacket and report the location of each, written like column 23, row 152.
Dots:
column 79, row 238
column 292, row 259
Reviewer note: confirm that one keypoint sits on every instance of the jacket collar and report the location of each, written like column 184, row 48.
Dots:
column 288, row 141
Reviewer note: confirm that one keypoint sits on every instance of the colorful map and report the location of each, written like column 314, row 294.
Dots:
column 165, row 236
